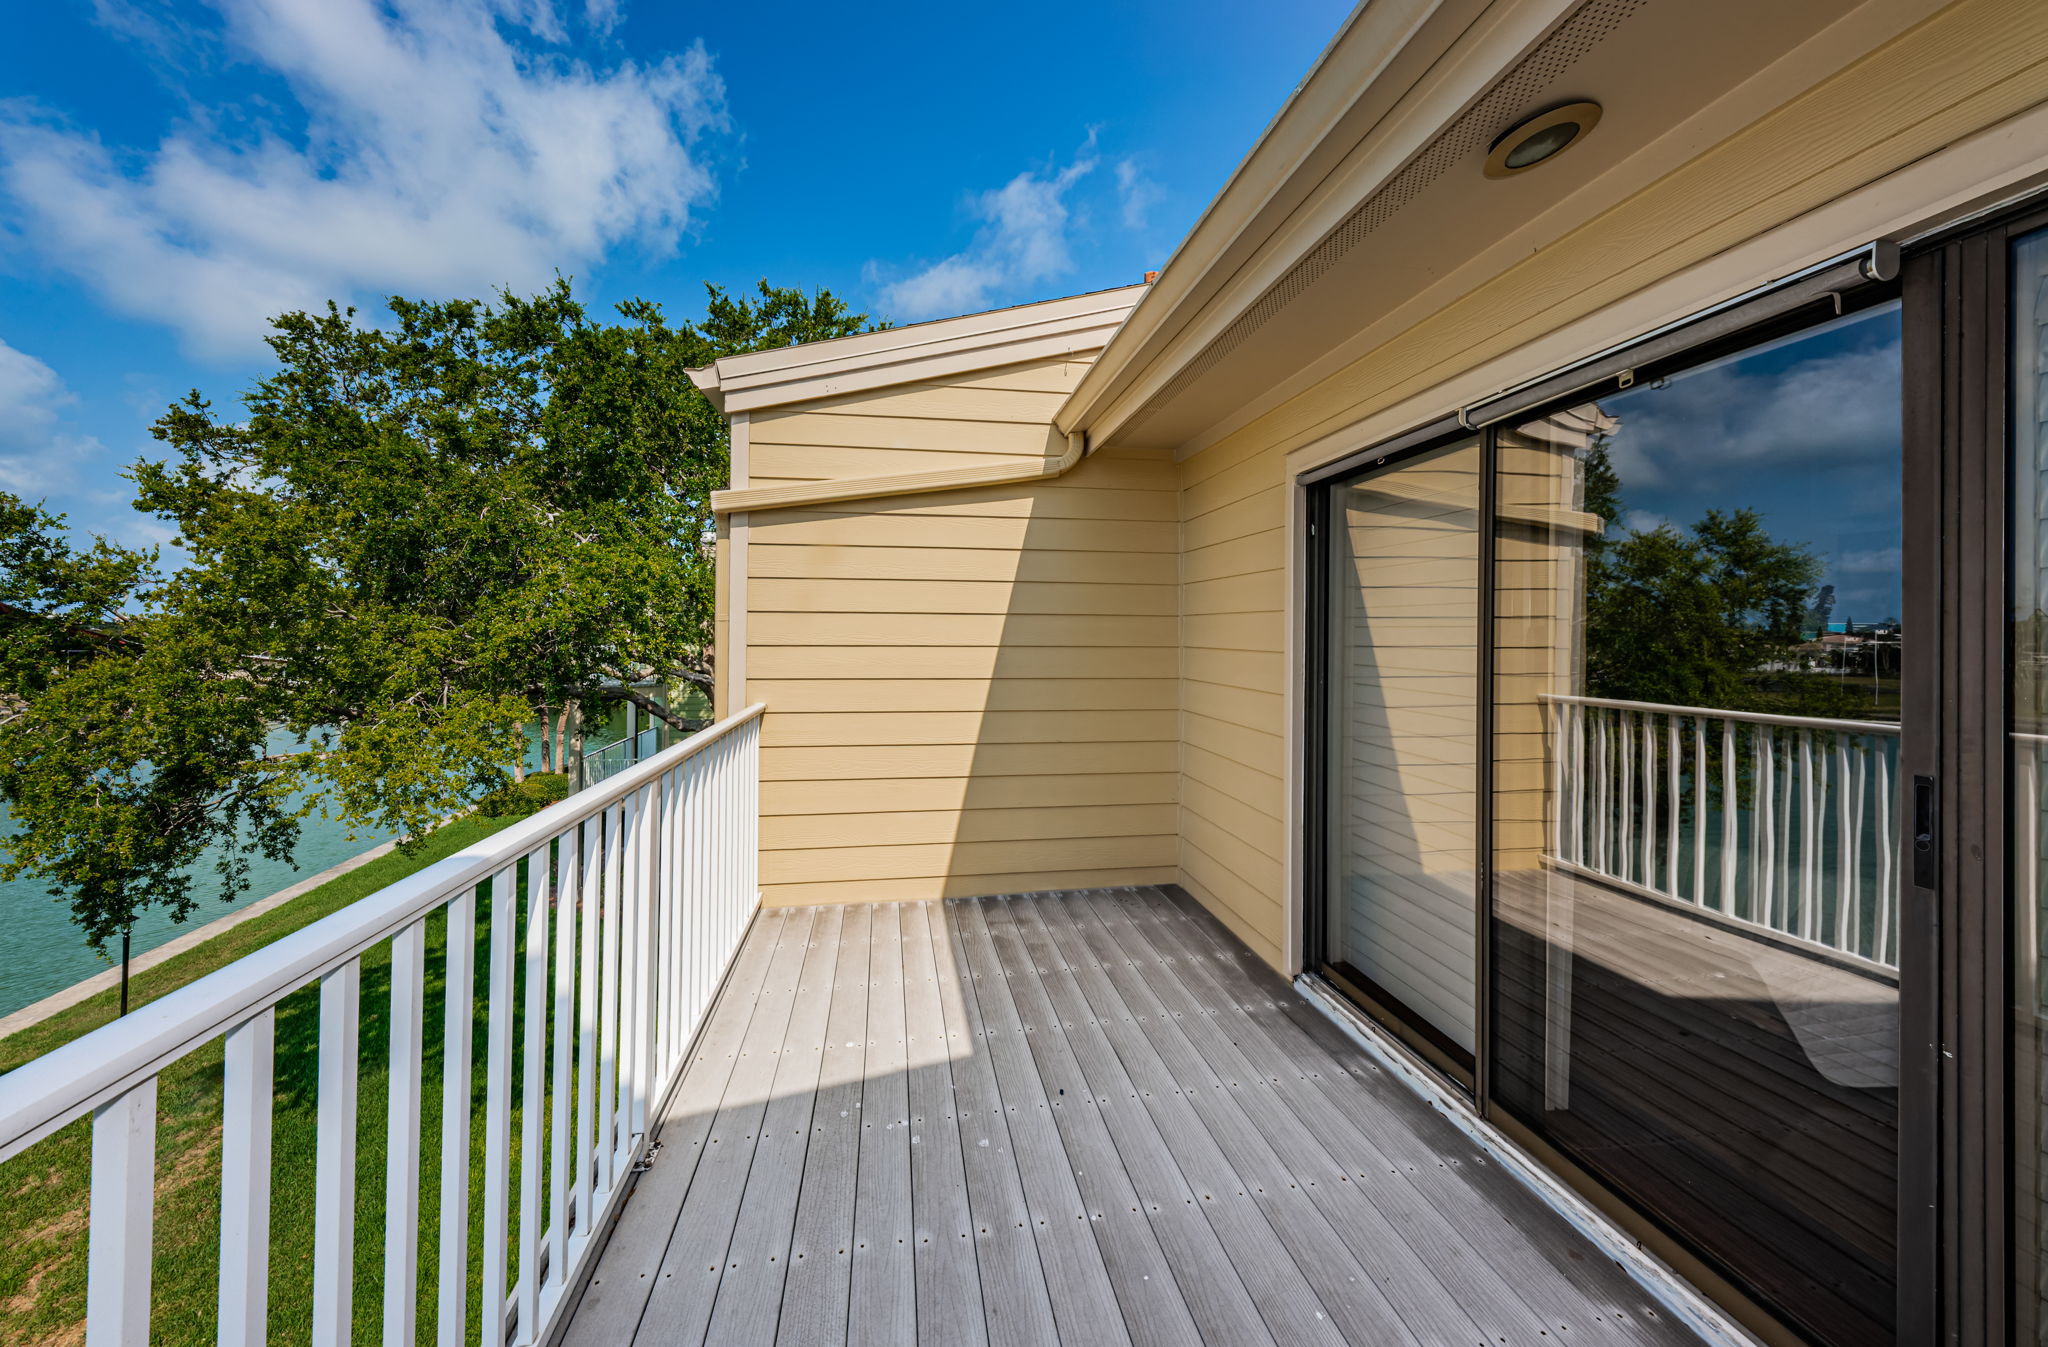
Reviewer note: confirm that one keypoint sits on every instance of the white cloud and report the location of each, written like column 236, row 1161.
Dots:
column 445, row 148
column 1023, row 239
column 37, row 455
column 1136, row 194
column 1836, row 410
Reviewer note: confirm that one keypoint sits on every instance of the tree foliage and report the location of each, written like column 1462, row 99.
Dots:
column 1695, row 617
column 405, row 542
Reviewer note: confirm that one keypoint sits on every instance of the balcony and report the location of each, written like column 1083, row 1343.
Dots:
column 1060, row 1117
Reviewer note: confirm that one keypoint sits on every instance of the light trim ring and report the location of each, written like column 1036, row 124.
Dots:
column 1582, row 117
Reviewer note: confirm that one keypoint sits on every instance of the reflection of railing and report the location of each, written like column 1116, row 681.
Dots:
column 600, row 764
column 1781, row 822
column 647, row 883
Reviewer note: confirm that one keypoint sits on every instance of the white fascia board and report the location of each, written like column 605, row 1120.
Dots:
column 946, row 347
column 1187, row 308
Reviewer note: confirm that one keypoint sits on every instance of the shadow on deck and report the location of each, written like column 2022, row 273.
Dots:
column 1087, row 1117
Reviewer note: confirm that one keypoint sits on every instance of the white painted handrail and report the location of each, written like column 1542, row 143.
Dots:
column 645, row 883
column 1779, row 824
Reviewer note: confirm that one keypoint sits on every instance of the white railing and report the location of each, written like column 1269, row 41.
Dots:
column 649, row 882
column 1783, row 823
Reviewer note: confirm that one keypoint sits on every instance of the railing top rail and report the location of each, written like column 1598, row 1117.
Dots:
column 1715, row 713
column 68, row 1082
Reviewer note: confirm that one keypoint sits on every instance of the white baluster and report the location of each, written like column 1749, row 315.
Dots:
column 1729, row 821
column 1845, row 869
column 1763, row 887
column 533, row 1104
column 1625, row 822
column 1699, row 812
column 402, row 1135
column 1672, row 809
column 608, row 1013
column 246, row 1111
column 1597, row 718
column 1810, row 841
column 1867, row 948
column 587, row 1111
column 498, row 1107
column 458, row 1023
column 628, row 1003
column 121, row 1217
column 561, row 1168
column 1887, row 885
column 1578, row 784
column 334, row 1159
column 648, row 953
column 1647, row 733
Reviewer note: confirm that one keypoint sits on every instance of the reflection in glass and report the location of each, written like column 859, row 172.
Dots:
column 1403, row 567
column 1695, row 992
column 2029, row 703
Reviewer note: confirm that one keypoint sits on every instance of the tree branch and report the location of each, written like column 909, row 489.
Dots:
column 653, row 708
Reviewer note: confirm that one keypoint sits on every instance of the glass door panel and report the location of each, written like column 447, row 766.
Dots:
column 2028, row 749
column 1401, row 568
column 1696, row 791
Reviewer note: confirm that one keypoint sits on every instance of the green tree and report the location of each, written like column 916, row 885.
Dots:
column 406, row 543
column 1695, row 617
column 58, row 604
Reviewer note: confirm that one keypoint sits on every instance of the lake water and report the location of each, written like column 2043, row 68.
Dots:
column 45, row 953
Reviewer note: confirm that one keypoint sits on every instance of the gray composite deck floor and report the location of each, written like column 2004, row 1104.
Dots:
column 1083, row 1118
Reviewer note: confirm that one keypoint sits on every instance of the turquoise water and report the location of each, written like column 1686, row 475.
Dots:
column 45, row 952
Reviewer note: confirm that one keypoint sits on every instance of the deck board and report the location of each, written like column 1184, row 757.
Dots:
column 1085, row 1117
column 816, row 1290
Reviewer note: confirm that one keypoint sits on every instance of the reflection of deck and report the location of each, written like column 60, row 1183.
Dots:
column 1743, row 1087
column 1082, row 1118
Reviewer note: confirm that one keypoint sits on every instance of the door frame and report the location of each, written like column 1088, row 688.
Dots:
column 1451, row 1062
column 1959, row 407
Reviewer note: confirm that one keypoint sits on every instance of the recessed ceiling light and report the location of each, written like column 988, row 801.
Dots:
column 1540, row 138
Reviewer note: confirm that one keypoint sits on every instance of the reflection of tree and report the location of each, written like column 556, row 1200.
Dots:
column 1697, row 617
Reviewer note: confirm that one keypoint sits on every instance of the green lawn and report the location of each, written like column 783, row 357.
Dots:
column 43, row 1192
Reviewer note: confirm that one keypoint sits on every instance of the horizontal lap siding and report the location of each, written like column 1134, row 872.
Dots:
column 1233, row 763
column 969, row 692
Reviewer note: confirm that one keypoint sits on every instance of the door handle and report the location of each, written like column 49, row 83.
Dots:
column 1926, row 832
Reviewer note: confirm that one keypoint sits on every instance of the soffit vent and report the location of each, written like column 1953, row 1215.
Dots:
column 1496, row 109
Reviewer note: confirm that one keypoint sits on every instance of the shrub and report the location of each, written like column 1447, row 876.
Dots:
column 517, row 799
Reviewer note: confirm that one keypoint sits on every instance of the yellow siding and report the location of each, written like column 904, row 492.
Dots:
column 1970, row 66
column 991, row 416
column 969, row 692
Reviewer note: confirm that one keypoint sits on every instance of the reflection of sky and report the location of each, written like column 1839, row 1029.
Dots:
column 1805, row 431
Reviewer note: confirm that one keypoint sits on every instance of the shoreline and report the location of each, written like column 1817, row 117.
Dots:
column 84, row 989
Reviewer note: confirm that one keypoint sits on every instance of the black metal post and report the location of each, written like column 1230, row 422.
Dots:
column 124, row 969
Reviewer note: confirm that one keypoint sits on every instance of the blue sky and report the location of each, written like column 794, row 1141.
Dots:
column 1804, row 430
column 171, row 174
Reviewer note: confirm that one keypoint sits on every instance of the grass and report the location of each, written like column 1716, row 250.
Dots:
column 43, row 1191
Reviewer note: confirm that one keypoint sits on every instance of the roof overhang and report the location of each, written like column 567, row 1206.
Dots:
column 1078, row 324
column 1365, row 207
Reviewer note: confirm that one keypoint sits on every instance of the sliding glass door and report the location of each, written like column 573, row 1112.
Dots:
column 1396, row 911
column 1677, row 781
column 1697, row 792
